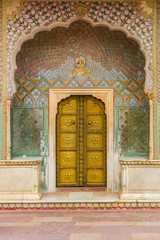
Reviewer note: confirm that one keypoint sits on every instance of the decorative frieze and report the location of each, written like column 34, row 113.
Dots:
column 19, row 163
column 80, row 205
column 147, row 162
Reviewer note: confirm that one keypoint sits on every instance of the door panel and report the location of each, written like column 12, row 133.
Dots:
column 68, row 159
column 92, row 106
column 94, row 159
column 94, row 123
column 68, row 176
column 70, row 106
column 94, row 141
column 81, row 142
column 68, row 123
column 95, row 177
column 68, row 141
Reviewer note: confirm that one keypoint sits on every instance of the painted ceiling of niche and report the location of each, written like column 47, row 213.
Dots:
column 24, row 18
column 52, row 54
column 48, row 60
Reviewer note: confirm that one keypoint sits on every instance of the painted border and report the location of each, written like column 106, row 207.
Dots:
column 9, row 2
column 49, row 205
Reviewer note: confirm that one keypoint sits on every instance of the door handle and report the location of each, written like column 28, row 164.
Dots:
column 73, row 122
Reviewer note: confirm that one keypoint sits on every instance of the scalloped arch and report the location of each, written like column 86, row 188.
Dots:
column 23, row 38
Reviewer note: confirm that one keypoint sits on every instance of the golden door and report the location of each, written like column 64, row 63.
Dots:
column 81, row 142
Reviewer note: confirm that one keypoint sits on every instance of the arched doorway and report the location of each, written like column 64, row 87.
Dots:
column 81, row 142
column 113, row 61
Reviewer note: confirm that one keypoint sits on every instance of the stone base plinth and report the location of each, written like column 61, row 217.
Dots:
column 20, row 179
column 140, row 179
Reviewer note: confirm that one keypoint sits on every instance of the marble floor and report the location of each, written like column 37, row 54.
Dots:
column 80, row 225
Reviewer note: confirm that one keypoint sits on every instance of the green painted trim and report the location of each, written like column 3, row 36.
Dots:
column 0, row 133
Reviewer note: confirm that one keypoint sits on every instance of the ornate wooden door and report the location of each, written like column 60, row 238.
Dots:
column 81, row 142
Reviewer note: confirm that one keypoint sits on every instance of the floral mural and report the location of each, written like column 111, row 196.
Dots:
column 48, row 60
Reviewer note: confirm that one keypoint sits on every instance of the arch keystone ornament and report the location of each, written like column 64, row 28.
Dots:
column 146, row 7
column 80, row 10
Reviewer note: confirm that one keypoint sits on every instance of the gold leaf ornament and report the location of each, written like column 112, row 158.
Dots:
column 80, row 10
column 12, row 7
column 145, row 7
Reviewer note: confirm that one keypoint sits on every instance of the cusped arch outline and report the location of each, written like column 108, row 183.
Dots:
column 23, row 38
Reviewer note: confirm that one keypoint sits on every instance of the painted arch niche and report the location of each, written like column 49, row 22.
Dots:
column 112, row 61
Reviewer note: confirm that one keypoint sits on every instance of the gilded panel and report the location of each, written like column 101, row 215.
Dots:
column 68, row 123
column 68, row 159
column 95, row 176
column 94, row 159
column 68, row 141
column 94, row 123
column 68, row 176
column 94, row 141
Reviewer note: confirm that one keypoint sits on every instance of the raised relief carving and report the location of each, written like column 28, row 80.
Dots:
column 80, row 70
column 67, row 140
column 69, row 105
column 93, row 105
column 68, row 175
column 93, row 123
column 95, row 140
column 95, row 158
column 94, row 175
column 68, row 158
column 80, row 10
column 68, row 122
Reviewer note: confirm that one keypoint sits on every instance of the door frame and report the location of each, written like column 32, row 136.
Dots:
column 55, row 96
